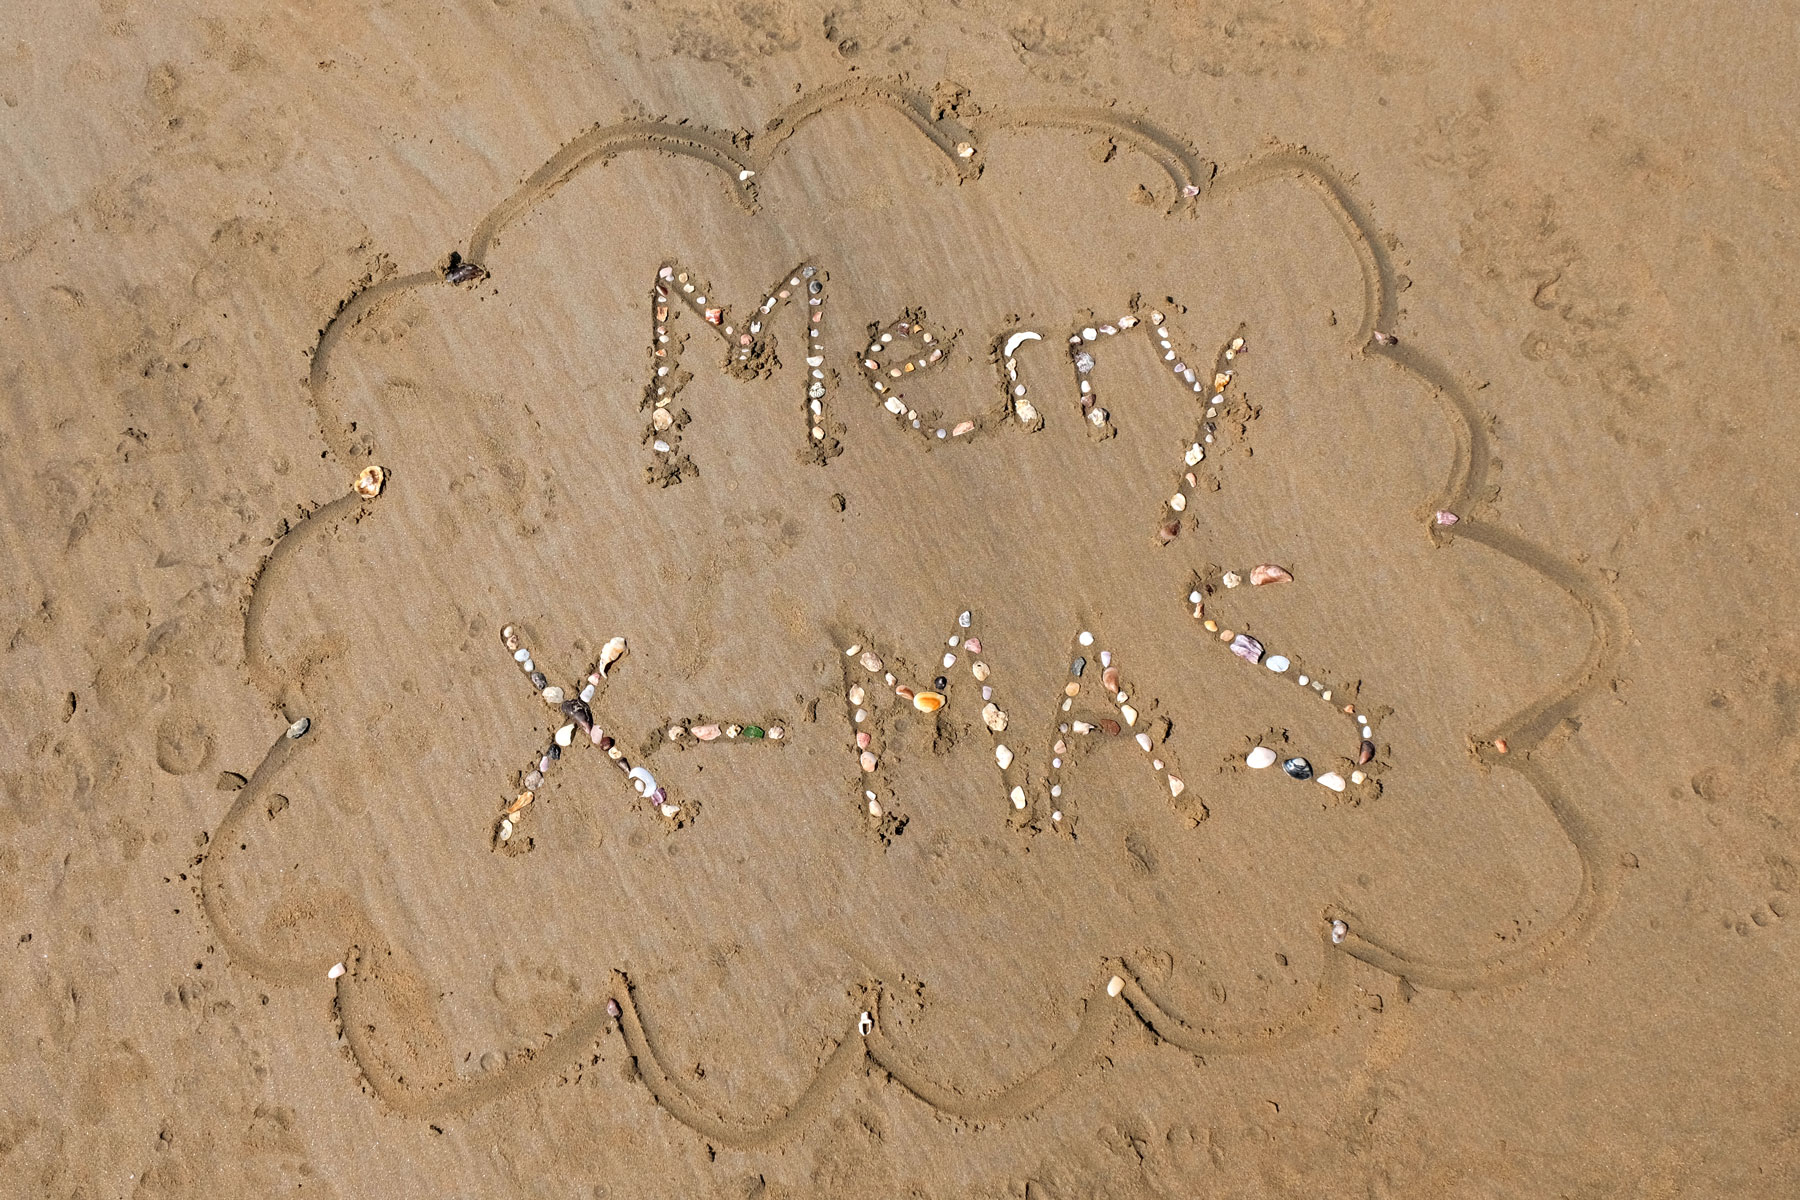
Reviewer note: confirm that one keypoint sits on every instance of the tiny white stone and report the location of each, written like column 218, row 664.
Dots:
column 1129, row 713
column 1086, row 638
column 874, row 808
column 336, row 972
column 1332, row 780
column 587, row 693
column 851, row 652
column 1301, row 681
column 669, row 810
column 553, row 695
column 1259, row 758
column 1106, row 658
column 521, row 656
column 949, row 660
column 1018, row 797
column 1003, row 756
column 1143, row 739
column 1357, row 777
column 1114, row 986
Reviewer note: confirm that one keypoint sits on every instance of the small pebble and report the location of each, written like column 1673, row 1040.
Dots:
column 707, row 733
column 521, row 656
column 870, row 661
column 1003, row 756
column 336, row 972
column 553, row 695
column 1018, row 797
column 973, row 645
column 1232, row 579
column 1077, row 667
column 1175, row 786
column 993, row 718
column 1299, row 768
column 1447, row 518
column 1129, row 713
column 874, row 808
column 940, row 683
column 1357, row 777
column 298, row 729
column 775, row 733
column 538, row 680
column 1114, row 986
column 1332, row 780
column 1086, row 638
column 1339, row 931
column 1110, row 727
column 1143, row 740
column 980, row 671
column 1259, row 758
column 1277, row 663
column 612, row 1009
column 868, row 760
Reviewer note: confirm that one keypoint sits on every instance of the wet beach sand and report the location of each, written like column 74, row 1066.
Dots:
column 778, row 601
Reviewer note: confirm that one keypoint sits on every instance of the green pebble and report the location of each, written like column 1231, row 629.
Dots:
column 753, row 731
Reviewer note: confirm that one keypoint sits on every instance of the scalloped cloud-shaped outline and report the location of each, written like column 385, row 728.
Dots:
column 1529, row 733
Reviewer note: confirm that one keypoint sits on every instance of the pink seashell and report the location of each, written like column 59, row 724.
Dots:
column 973, row 645
column 1247, row 648
column 1447, row 518
column 706, row 733
column 862, row 739
column 1268, row 573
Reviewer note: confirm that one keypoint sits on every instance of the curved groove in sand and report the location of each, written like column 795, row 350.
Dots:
column 258, row 663
column 1467, row 480
column 1178, row 160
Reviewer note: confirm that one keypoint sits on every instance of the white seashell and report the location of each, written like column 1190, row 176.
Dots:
column 949, row 660
column 865, row 1023
column 1232, row 579
column 870, row 661
column 1026, row 411
column 1018, row 339
column 1114, row 986
column 1003, row 756
column 506, row 829
column 1082, row 727
column 980, row 671
column 521, row 656
column 1129, row 713
column 565, row 737
column 669, row 810
column 1332, row 780
column 1018, row 797
column 851, row 652
column 963, row 618
column 1277, row 663
column 1143, row 739
column 336, row 972
column 775, row 733
column 611, row 653
column 1357, row 777
column 1259, row 758
column 867, row 760
column 1339, row 931
column 1194, row 454
column 1175, row 786
column 642, row 781
column 298, row 729
column 874, row 808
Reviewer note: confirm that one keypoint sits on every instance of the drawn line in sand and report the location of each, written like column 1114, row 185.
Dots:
column 1516, row 744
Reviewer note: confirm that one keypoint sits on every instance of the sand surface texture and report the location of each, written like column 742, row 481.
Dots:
column 760, row 600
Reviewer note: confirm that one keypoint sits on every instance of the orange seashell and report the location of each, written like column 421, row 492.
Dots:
column 370, row 481
column 1268, row 573
column 928, row 701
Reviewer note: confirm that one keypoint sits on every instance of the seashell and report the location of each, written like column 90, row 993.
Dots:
column 336, row 972
column 856, row 693
column 972, row 645
column 1072, row 689
column 862, row 739
column 707, row 733
column 870, row 661
column 1277, row 663
column 864, row 1024
column 1143, row 740
column 1110, row 677
column 1129, row 713
column 668, row 810
column 1194, row 455
column 1332, row 780
column 1019, row 339
column 533, row 779
column 993, row 718
column 370, row 481
column 928, row 701
column 1386, row 339
column 1447, row 518
column 1018, row 797
column 1365, row 752
column 775, row 733
column 874, row 808
column 298, row 729
column 1500, row 745
column 1232, row 579
column 596, row 736
column 1178, row 502
column 962, row 427
column 904, row 692
column 553, row 695
column 1247, row 648
column 949, row 660
column 660, row 420
column 1357, row 777
column 1082, row 727
column 611, row 653
column 642, row 781
column 1168, row 531
column 1259, row 758
column 851, row 652
column 565, row 736
column 1339, row 931
column 1003, row 756
column 1176, row 787
column 1298, row 768
column 506, row 828
column 1268, row 573
column 980, row 671
column 868, row 760
column 1114, row 986
column 732, row 731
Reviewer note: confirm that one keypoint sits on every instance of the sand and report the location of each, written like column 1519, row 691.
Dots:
column 1512, row 405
